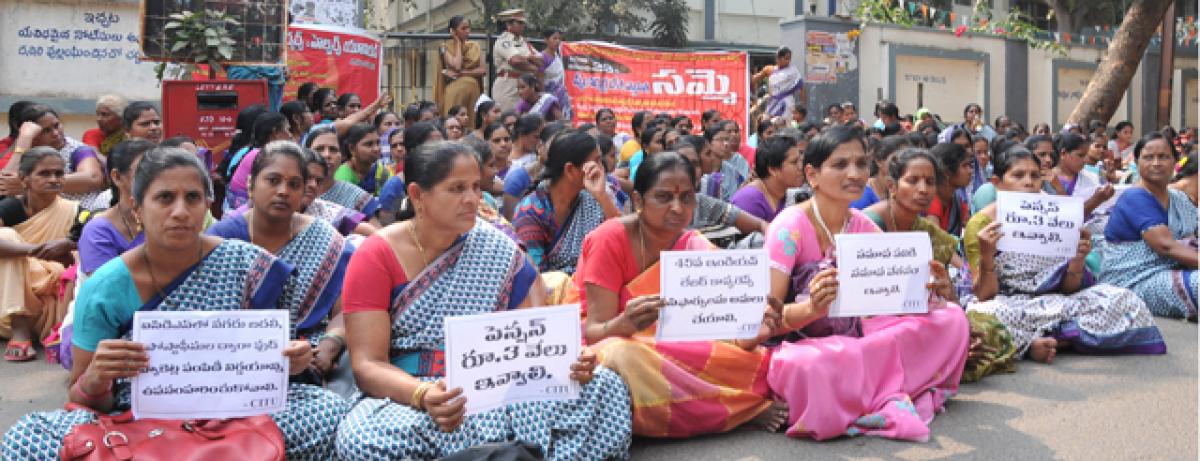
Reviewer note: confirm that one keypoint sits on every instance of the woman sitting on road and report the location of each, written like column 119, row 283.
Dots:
column 882, row 375
column 84, row 180
column 778, row 168
column 1150, row 243
column 324, row 142
column 278, row 184
column 571, row 200
column 913, row 177
column 39, row 232
column 176, row 269
column 679, row 389
column 110, row 129
column 362, row 167
column 535, row 101
column 440, row 261
column 1050, row 302
column 949, row 210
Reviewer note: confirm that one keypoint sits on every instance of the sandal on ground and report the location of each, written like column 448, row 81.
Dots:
column 20, row 351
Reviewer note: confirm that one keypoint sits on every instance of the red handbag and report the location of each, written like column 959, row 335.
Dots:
column 120, row 437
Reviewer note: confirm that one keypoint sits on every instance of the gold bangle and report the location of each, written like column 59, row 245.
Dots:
column 19, row 150
column 418, row 397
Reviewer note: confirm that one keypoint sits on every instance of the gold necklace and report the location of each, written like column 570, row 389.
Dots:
column 412, row 232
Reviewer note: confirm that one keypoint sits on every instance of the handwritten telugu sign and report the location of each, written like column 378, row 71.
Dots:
column 712, row 295
column 1039, row 224
column 515, row 356
column 219, row 364
column 882, row 274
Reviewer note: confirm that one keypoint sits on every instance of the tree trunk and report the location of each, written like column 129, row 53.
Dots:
column 1062, row 16
column 1108, row 85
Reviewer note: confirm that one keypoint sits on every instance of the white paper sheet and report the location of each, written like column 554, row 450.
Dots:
column 1039, row 224
column 882, row 274
column 514, row 356
column 216, row 364
column 712, row 295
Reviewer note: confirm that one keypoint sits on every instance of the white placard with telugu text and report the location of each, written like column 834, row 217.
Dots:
column 712, row 295
column 882, row 273
column 1039, row 224
column 513, row 356
column 211, row 364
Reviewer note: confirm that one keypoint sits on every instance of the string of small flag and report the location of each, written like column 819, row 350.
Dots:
column 1186, row 31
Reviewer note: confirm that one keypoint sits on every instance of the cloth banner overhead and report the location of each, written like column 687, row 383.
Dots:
column 347, row 60
column 603, row 75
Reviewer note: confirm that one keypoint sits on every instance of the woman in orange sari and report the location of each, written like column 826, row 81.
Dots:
column 679, row 389
column 462, row 68
column 34, row 252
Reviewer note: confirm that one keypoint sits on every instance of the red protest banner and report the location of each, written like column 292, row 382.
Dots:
column 344, row 59
column 603, row 75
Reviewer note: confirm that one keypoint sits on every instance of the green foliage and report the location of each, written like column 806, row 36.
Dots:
column 883, row 12
column 200, row 38
column 1016, row 25
column 670, row 23
column 610, row 19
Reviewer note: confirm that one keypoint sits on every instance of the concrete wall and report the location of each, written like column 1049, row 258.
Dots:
column 63, row 54
column 954, row 71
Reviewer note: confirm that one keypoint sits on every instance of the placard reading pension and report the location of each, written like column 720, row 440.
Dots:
column 882, row 274
column 712, row 295
column 216, row 364
column 1039, row 224
column 514, row 356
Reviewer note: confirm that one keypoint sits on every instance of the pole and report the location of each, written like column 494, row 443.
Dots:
column 1167, row 74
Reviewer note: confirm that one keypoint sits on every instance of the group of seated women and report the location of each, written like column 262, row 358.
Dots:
column 367, row 303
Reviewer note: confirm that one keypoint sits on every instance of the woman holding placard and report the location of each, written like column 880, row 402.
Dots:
column 679, row 389
column 438, row 262
column 277, row 187
column 176, row 269
column 883, row 375
column 1045, row 302
column 571, row 200
column 1150, row 236
column 913, row 179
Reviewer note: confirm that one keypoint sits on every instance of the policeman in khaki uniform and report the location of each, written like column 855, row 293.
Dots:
column 512, row 56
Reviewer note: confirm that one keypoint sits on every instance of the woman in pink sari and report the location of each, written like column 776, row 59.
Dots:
column 882, row 375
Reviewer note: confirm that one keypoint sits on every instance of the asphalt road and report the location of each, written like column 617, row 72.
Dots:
column 1081, row 407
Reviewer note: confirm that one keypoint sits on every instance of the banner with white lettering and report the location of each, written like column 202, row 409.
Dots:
column 1039, row 224
column 627, row 80
column 712, row 295
column 213, row 364
column 882, row 274
column 514, row 356
column 345, row 59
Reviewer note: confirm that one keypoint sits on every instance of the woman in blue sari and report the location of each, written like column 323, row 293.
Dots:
column 441, row 261
column 1049, row 302
column 324, row 141
column 1150, row 236
column 571, row 201
column 176, row 269
column 278, row 182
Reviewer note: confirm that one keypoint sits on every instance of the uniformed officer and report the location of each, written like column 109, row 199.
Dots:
column 512, row 56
